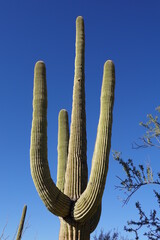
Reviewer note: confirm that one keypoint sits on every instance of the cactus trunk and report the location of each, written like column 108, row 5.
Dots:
column 76, row 202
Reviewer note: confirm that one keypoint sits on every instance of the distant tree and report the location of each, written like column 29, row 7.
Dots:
column 136, row 177
column 151, row 138
column 115, row 235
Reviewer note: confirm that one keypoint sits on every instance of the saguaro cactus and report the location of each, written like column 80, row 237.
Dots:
column 76, row 202
column 21, row 224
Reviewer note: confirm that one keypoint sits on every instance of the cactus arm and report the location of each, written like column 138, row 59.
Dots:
column 21, row 225
column 95, row 219
column 56, row 202
column 87, row 203
column 77, row 171
column 63, row 140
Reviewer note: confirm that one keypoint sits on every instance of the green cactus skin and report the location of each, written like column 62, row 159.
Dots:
column 21, row 225
column 76, row 202
column 63, row 141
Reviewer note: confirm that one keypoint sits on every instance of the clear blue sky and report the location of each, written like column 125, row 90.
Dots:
column 128, row 32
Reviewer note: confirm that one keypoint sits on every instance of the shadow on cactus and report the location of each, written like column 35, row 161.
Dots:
column 74, row 199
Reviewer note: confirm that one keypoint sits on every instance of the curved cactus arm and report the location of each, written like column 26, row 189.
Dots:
column 85, row 206
column 95, row 218
column 56, row 202
column 20, row 228
column 63, row 140
column 77, row 171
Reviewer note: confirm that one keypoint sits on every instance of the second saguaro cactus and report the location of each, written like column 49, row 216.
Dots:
column 21, row 224
column 74, row 199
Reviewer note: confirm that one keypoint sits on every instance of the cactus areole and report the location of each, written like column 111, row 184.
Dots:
column 75, row 199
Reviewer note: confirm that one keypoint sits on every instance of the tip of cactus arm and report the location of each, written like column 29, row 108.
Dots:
column 79, row 18
column 40, row 66
column 63, row 112
column 40, row 62
column 109, row 62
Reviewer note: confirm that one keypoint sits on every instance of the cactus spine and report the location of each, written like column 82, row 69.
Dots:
column 76, row 202
column 21, row 224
